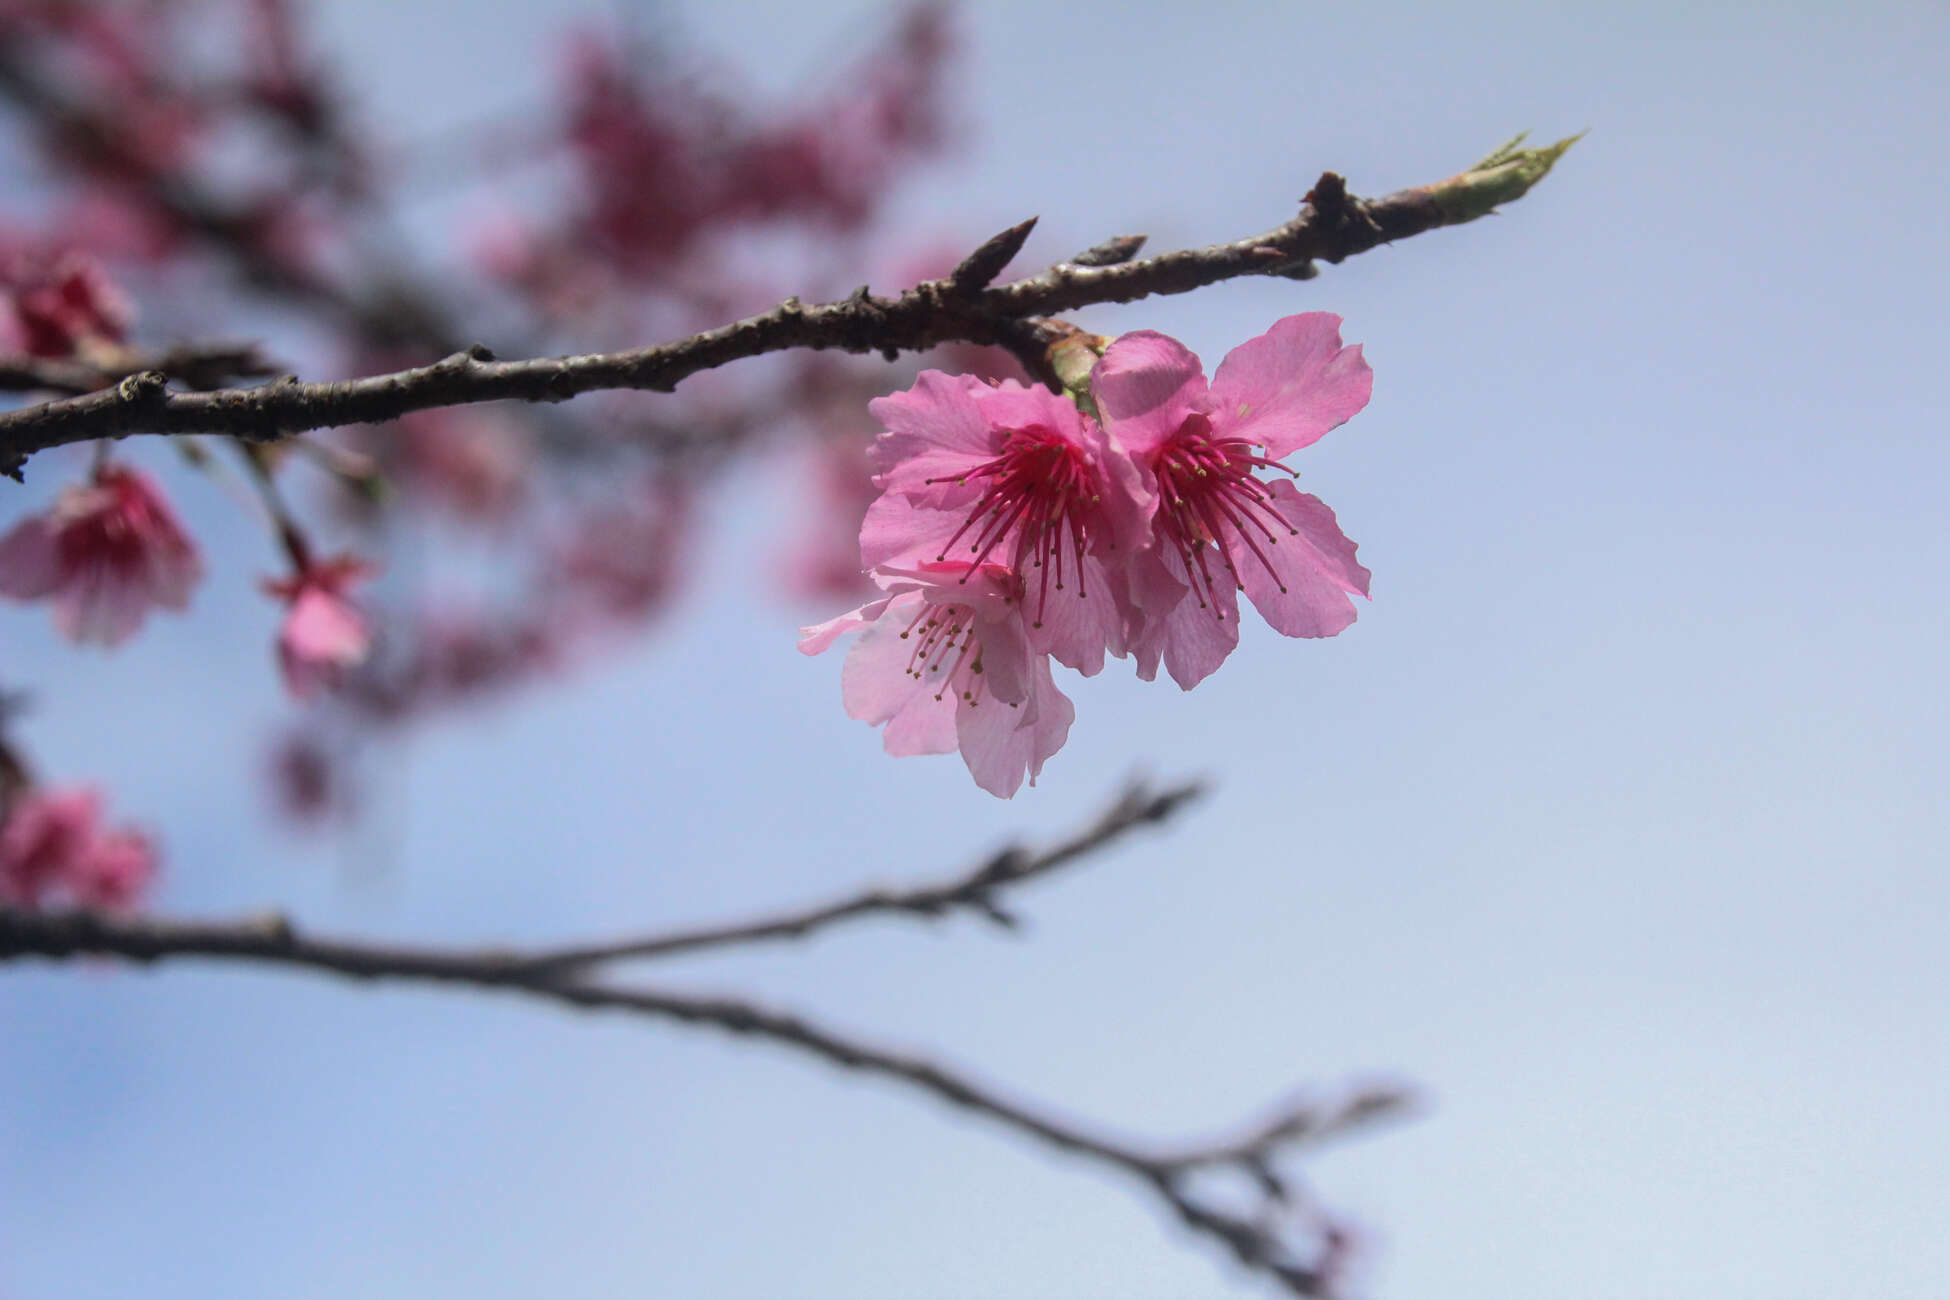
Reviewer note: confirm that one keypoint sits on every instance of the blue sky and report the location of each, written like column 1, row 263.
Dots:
column 1616, row 823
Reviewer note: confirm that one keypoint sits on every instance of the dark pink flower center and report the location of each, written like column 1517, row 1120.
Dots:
column 114, row 528
column 1040, row 487
column 1209, row 501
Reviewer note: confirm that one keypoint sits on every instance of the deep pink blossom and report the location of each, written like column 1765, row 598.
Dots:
column 324, row 635
column 1221, row 528
column 53, row 847
column 945, row 663
column 54, row 304
column 972, row 473
column 104, row 554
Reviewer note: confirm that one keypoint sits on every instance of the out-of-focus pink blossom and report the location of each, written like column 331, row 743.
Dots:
column 462, row 659
column 649, row 188
column 667, row 164
column 324, row 635
column 475, row 463
column 622, row 563
column 823, row 562
column 970, row 472
column 305, row 779
column 44, row 834
column 836, row 158
column 556, row 277
column 116, row 871
column 1220, row 528
column 55, row 304
column 105, row 554
column 114, row 221
column 945, row 663
column 54, row 848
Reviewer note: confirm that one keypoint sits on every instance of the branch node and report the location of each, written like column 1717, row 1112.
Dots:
column 480, row 352
column 143, row 388
column 1328, row 198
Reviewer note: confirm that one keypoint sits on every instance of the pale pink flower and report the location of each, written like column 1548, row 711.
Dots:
column 104, row 554
column 115, row 872
column 1219, row 527
column 324, row 635
column 972, row 473
column 52, row 845
column 945, row 663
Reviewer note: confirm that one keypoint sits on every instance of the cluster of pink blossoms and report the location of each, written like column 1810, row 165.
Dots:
column 111, row 550
column 1014, row 528
column 53, row 847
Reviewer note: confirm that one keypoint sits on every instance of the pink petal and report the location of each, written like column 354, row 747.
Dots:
column 1290, row 385
column 999, row 743
column 875, row 683
column 1145, row 385
column 1316, row 566
column 1083, row 620
column 173, row 572
column 1190, row 638
column 934, row 430
column 1004, row 657
column 323, row 627
column 925, row 726
column 1130, row 494
column 1015, row 406
column 817, row 638
column 321, row 638
column 30, row 562
column 899, row 533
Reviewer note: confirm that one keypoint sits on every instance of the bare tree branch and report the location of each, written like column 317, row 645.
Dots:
column 1256, row 1241
column 1264, row 1240
column 1333, row 225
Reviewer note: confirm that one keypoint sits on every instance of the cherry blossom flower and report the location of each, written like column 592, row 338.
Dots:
column 971, row 472
column 945, row 663
column 55, row 305
column 1220, row 528
column 104, row 554
column 52, row 845
column 324, row 635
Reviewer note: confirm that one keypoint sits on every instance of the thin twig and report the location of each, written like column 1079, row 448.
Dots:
column 1254, row 1240
column 203, row 365
column 1331, row 226
column 974, row 890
